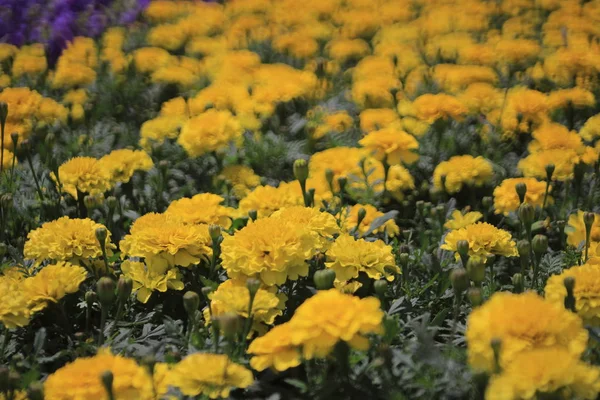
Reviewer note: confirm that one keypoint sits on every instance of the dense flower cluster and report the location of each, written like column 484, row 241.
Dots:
column 484, row 240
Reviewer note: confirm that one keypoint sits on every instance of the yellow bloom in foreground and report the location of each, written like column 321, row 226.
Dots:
column 321, row 225
column 232, row 296
column 203, row 208
column 586, row 291
column 462, row 170
column 122, row 164
column 484, row 240
column 392, row 146
column 460, row 220
column 165, row 240
column 65, row 239
column 317, row 325
column 52, row 283
column 84, row 174
column 212, row 130
column 548, row 371
column 431, row 107
column 506, row 199
column 575, row 229
column 349, row 220
column 213, row 375
column 147, row 280
column 348, row 257
column 268, row 199
column 271, row 249
column 81, row 379
column 14, row 304
column 522, row 322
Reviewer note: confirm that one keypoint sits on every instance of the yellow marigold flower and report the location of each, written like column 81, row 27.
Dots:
column 81, row 379
column 52, row 283
column 431, row 107
column 460, row 220
column 348, row 257
column 484, row 240
column 392, row 146
column 462, row 171
column 555, row 136
column 322, row 225
column 564, row 161
column 516, row 51
column 148, row 279
column 203, row 208
column 591, row 128
column 161, row 377
column 268, row 199
column 232, row 296
column 30, row 60
column 212, row 130
column 165, row 240
column 15, row 307
column 337, row 122
column 149, row 59
column 83, row 174
column 159, row 129
column 122, row 164
column 482, row 98
column 68, row 75
column 575, row 229
column 452, row 77
column 524, row 108
column 296, row 44
column 75, row 96
column 506, row 199
column 7, row 51
column 586, row 291
column 313, row 332
column 175, row 74
column 576, row 97
column 9, row 158
column 545, row 371
column 377, row 118
column 275, row 349
column 399, row 180
column 349, row 220
column 375, row 92
column 241, row 178
column 343, row 49
column 213, row 375
column 271, row 249
column 343, row 161
column 65, row 239
column 521, row 322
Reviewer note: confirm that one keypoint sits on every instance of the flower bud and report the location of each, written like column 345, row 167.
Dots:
column 487, row 202
column 301, row 170
column 90, row 202
column 311, row 195
column 50, row 139
column 420, row 206
column 540, row 244
column 215, row 232
column 521, row 189
column 459, row 280
column 101, row 235
column 342, row 181
column 526, row 214
column 549, row 171
column 329, row 177
column 475, row 297
column 163, row 165
column 253, row 285
column 191, row 302
column 588, row 220
column 105, row 287
column 569, row 283
column 518, row 283
column 35, row 391
column 253, row 214
column 107, row 381
column 90, row 298
column 524, row 249
column 462, row 248
column 149, row 361
column 404, row 258
column 3, row 113
column 124, row 288
column 362, row 213
column 476, row 270
column 229, row 324
column 14, row 137
column 380, row 287
column 324, row 279
column 206, row 291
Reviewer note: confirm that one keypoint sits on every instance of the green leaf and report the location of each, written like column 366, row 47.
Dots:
column 380, row 221
column 298, row 384
column 440, row 317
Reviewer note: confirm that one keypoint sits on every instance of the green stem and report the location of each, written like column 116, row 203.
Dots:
column 35, row 178
column 5, row 342
column 103, row 316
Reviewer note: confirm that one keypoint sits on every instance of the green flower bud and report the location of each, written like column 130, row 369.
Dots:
column 569, row 302
column 462, row 248
column 476, row 270
column 191, row 302
column 253, row 214
column 324, row 279
column 206, row 291
column 7, row 200
column 518, row 283
column 105, row 287
column 50, row 139
column 3, row 112
column 459, row 280
column 253, row 285
column 342, row 181
column 301, row 170
column 487, row 202
column 35, row 391
column 549, row 171
column 101, row 234
column 362, row 213
column 107, row 381
column 124, row 288
column 404, row 258
column 524, row 249
column 420, row 206
column 380, row 287
column 521, row 189
column 329, row 177
column 90, row 298
column 526, row 214
column 475, row 297
column 215, row 232
column 111, row 202
column 540, row 244
column 588, row 220
column 229, row 324
column 14, row 137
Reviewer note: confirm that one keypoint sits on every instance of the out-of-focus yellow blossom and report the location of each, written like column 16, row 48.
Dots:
column 15, row 307
column 349, row 220
column 552, row 371
column 459, row 220
column 564, row 160
column 524, row 109
column 399, row 180
column 484, row 240
column 122, row 164
column 575, row 229
column 241, row 178
column 591, row 128
column 66, row 239
column 377, row 118
column 574, row 97
column 452, row 77
column 8, row 159
column 82, row 379
column 462, row 171
column 343, row 50
column 322, row 225
column 506, row 199
column 392, row 146
column 275, row 350
column 267, row 199
column 83, row 174
column 336, row 122
column 481, row 98
column 515, row 52
column 210, row 131
column 193, row 378
column 296, row 44
column 149, row 279
column 165, row 240
column 150, row 59
column 75, row 66
column 431, row 107
column 232, row 296
column 203, row 208
column 522, row 322
column 52, row 283
column 30, row 61
column 174, row 74
column 7, row 51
